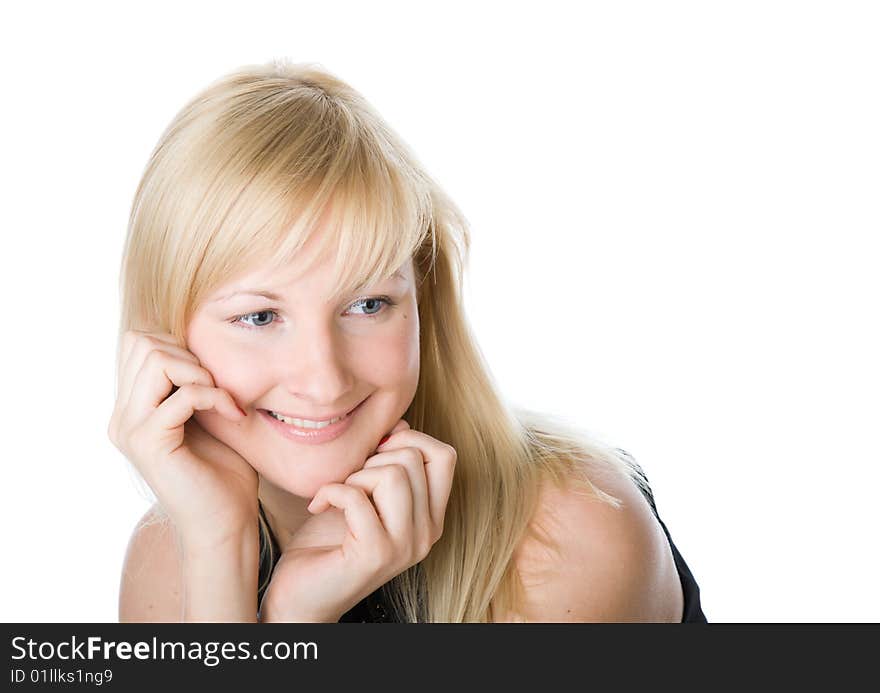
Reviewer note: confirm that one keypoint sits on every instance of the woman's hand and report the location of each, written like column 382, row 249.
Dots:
column 207, row 489
column 394, row 511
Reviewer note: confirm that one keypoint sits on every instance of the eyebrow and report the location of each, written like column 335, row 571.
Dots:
column 273, row 296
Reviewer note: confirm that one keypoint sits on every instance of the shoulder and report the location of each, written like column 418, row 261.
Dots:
column 150, row 585
column 585, row 560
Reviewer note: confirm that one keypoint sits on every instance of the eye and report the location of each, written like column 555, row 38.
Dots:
column 263, row 318
column 373, row 302
column 260, row 316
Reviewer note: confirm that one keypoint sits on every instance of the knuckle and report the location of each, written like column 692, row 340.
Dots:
column 156, row 358
column 355, row 493
column 326, row 490
column 189, row 390
column 143, row 338
column 414, row 455
column 398, row 474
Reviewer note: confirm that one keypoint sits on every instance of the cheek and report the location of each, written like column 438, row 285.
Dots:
column 233, row 368
column 393, row 360
column 238, row 374
column 232, row 373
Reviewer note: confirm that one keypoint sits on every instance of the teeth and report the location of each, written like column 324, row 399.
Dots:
column 304, row 423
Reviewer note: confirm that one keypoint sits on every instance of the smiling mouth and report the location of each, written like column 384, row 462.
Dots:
column 305, row 423
column 309, row 423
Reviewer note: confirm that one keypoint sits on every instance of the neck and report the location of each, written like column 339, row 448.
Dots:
column 293, row 526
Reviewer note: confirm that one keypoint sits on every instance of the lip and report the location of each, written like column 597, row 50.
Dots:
column 315, row 418
column 311, row 436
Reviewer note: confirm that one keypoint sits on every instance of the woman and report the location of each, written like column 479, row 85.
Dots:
column 300, row 389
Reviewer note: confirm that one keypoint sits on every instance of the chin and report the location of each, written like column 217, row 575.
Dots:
column 305, row 479
column 303, row 470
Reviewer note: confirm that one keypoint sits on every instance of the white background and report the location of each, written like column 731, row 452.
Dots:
column 675, row 211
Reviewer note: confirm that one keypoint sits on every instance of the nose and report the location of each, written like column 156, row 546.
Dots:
column 314, row 367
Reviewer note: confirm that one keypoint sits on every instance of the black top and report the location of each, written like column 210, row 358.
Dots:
column 374, row 609
column 693, row 611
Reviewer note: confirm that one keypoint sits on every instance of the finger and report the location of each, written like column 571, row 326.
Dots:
column 140, row 349
column 391, row 493
column 360, row 515
column 414, row 464
column 179, row 408
column 126, row 344
column 440, row 460
column 157, row 370
column 133, row 338
column 140, row 352
column 159, row 374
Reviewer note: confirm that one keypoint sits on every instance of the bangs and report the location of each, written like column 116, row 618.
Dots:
column 312, row 171
column 371, row 224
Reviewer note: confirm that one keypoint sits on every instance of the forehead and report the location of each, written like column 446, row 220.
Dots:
column 307, row 265
column 306, row 272
column 332, row 254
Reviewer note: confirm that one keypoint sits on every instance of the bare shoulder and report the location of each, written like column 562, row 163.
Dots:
column 150, row 585
column 602, row 563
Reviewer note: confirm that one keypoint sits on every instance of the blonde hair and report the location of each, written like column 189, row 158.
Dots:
column 243, row 175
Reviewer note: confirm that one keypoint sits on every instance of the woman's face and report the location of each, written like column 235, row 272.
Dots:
column 298, row 354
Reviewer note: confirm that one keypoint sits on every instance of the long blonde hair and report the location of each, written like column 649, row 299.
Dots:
column 241, row 176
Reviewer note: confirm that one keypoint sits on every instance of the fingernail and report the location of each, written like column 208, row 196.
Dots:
column 382, row 442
